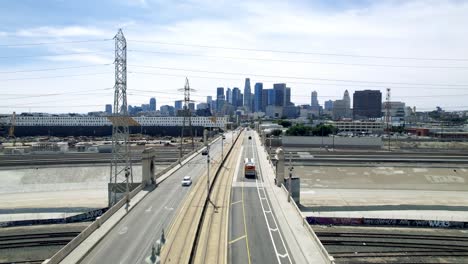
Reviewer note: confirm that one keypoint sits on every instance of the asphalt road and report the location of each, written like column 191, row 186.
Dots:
column 253, row 235
column 131, row 239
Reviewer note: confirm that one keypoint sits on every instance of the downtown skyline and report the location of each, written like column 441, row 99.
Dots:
column 311, row 49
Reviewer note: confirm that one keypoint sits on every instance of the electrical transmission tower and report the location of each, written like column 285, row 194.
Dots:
column 187, row 114
column 121, row 167
column 388, row 118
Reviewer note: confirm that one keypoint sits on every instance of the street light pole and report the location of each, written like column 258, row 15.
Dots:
column 290, row 178
column 207, row 166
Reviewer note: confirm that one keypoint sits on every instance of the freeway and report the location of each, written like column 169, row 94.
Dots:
column 254, row 236
column 131, row 239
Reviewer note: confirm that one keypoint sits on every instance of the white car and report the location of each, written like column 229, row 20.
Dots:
column 187, row 181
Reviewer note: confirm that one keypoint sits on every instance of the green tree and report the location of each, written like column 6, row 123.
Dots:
column 284, row 123
column 276, row 132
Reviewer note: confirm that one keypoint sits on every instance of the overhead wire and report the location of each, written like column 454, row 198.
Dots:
column 298, row 52
column 53, row 42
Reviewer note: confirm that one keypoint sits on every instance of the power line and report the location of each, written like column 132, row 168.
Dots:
column 52, row 43
column 59, row 68
column 53, row 77
column 291, row 77
column 51, row 55
column 305, row 62
column 307, row 83
column 299, row 52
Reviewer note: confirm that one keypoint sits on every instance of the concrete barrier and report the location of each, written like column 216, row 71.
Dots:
column 354, row 221
column 305, row 223
column 74, row 243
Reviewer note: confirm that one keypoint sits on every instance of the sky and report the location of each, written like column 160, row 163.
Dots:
column 57, row 56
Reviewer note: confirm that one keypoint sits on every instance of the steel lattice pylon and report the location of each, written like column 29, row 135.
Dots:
column 186, row 112
column 121, row 167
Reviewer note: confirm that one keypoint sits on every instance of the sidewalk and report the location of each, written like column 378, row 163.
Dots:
column 301, row 243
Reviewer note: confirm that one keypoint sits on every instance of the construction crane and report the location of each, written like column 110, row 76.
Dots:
column 11, row 131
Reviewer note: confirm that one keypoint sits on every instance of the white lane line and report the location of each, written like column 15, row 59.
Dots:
column 149, row 209
column 270, row 229
column 123, row 230
column 236, row 172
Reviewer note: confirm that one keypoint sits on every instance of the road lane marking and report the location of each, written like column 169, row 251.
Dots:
column 245, row 226
column 233, row 203
column 260, row 186
column 237, row 239
column 123, row 230
column 149, row 209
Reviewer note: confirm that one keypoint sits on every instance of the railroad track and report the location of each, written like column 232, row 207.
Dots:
column 36, row 240
column 183, row 231
column 385, row 245
column 211, row 245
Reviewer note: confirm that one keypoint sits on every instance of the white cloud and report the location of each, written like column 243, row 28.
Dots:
column 60, row 32
column 385, row 28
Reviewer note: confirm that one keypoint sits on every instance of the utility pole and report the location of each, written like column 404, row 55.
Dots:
column 222, row 147
column 291, row 168
column 205, row 140
column 186, row 113
column 387, row 116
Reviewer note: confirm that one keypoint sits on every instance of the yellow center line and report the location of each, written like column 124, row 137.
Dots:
column 245, row 225
column 237, row 239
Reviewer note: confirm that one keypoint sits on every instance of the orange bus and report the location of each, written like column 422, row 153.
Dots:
column 249, row 168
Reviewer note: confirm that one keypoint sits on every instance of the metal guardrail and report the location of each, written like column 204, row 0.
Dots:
column 74, row 243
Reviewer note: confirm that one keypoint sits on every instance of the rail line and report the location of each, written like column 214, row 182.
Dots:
column 36, row 240
column 182, row 234
column 385, row 245
column 212, row 242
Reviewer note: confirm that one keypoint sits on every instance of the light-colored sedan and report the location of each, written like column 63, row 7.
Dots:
column 187, row 181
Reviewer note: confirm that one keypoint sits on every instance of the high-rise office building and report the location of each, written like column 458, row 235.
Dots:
column 191, row 107
column 235, row 97
column 108, row 109
column 220, row 99
column 314, row 99
column 178, row 105
column 167, row 110
column 341, row 108
column 258, row 97
column 280, row 94
column 247, row 95
column 264, row 99
column 367, row 104
column 229, row 95
column 152, row 104
column 329, row 105
column 287, row 97
column 209, row 101
column 271, row 97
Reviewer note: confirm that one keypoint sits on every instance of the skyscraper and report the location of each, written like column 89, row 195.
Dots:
column 235, row 97
column 287, row 98
column 264, row 99
column 220, row 99
column 209, row 101
column 258, row 98
column 108, row 109
column 329, row 105
column 152, row 104
column 280, row 94
column 247, row 95
column 313, row 100
column 341, row 108
column 367, row 104
column 229, row 95
column 178, row 104
column 271, row 97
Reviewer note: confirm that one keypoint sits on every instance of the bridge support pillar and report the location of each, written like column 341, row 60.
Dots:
column 279, row 157
column 148, row 167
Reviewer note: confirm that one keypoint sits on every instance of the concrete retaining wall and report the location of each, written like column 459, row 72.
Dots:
column 312, row 220
column 338, row 142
